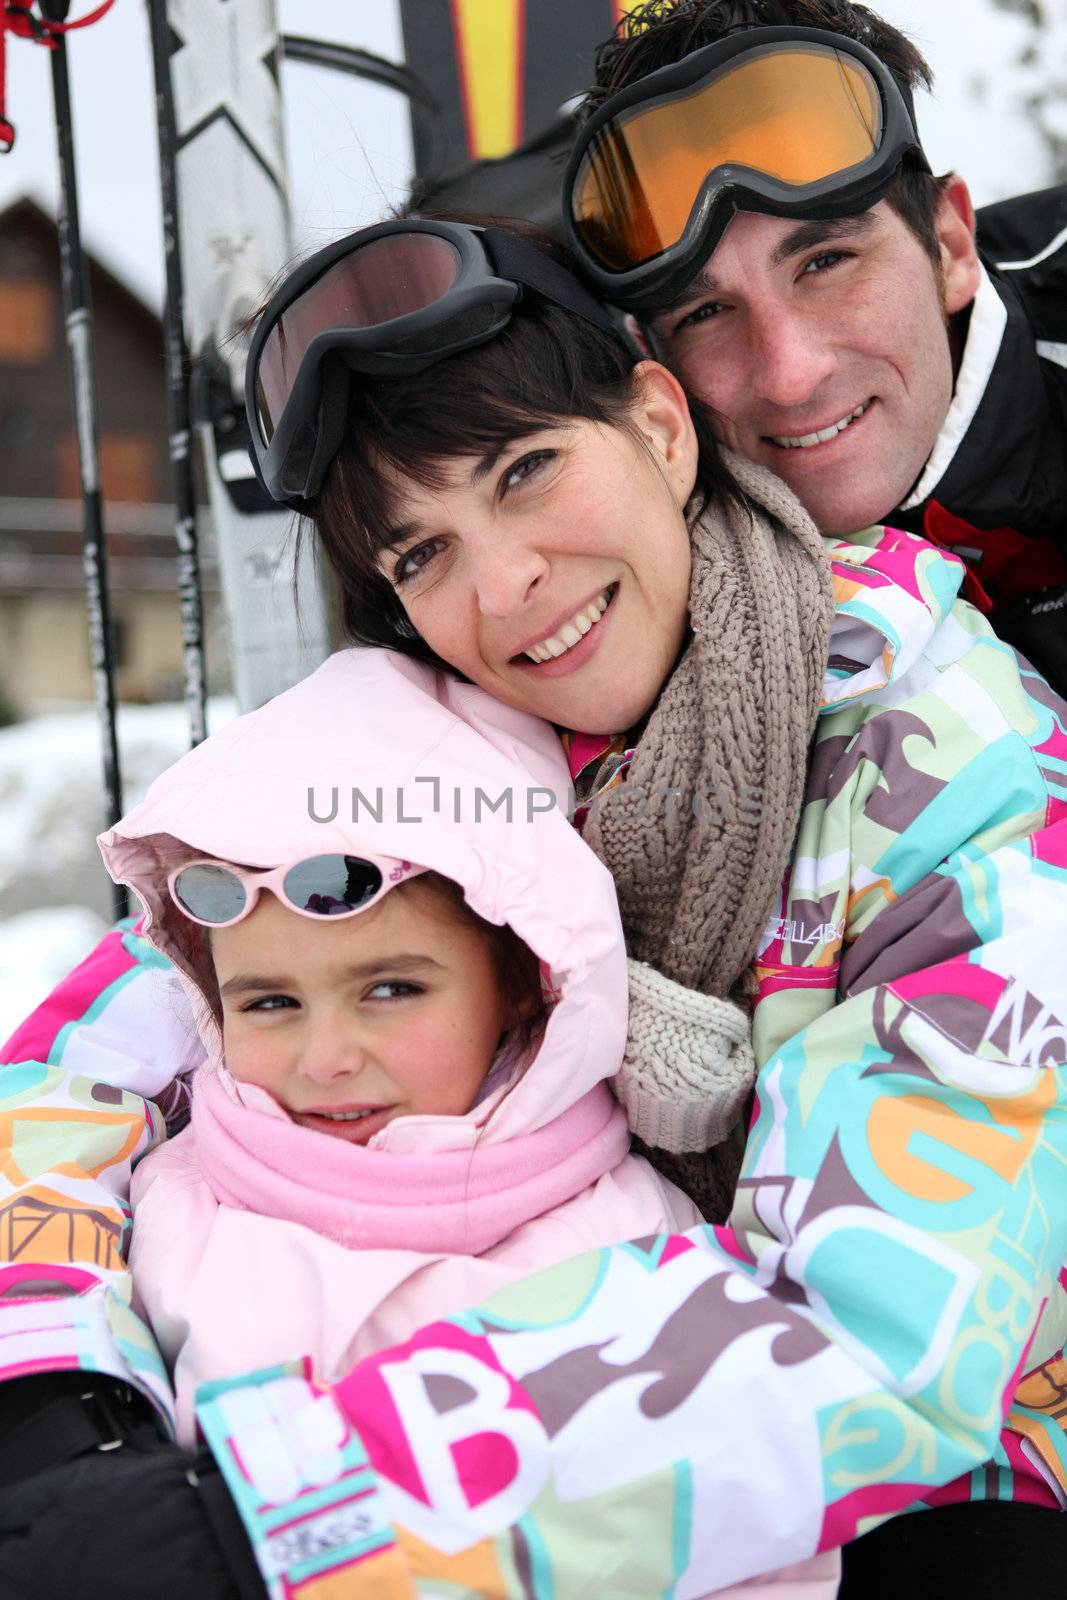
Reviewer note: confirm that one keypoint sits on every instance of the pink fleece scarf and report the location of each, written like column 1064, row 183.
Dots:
column 459, row 1202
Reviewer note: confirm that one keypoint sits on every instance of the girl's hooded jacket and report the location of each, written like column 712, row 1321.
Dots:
column 880, row 1325
column 257, row 1240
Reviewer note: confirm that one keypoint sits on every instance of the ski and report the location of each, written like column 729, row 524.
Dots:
column 221, row 134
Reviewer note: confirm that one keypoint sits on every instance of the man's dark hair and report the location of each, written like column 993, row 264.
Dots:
column 661, row 32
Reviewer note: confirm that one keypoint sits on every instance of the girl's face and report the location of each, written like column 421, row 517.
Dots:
column 395, row 1013
column 555, row 573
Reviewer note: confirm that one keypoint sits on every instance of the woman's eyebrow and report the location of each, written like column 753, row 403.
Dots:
column 488, row 460
column 388, row 538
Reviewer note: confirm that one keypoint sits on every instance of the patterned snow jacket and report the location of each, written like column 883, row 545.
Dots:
column 880, row 1325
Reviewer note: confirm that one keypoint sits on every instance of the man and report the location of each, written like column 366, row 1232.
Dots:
column 824, row 294
column 847, row 332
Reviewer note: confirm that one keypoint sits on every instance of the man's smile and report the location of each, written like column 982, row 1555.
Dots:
column 823, row 435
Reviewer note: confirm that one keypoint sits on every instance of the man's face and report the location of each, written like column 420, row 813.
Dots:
column 823, row 350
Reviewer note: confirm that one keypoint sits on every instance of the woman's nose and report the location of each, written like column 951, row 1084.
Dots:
column 506, row 574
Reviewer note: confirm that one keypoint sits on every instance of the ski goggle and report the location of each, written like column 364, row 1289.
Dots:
column 794, row 122
column 388, row 301
column 217, row 894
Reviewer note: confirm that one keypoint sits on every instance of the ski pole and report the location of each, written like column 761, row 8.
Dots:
column 176, row 355
column 79, row 324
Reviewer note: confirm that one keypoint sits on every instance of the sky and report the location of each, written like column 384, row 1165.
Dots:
column 349, row 142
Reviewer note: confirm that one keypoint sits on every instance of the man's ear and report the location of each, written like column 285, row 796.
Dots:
column 660, row 412
column 954, row 229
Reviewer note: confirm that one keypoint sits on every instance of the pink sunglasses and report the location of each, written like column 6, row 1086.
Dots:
column 217, row 894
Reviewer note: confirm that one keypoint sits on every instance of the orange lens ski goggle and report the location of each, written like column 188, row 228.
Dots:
column 795, row 122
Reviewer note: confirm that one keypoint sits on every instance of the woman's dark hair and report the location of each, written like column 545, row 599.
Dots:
column 547, row 364
column 661, row 32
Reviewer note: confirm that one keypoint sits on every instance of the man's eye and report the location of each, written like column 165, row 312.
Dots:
column 414, row 561
column 704, row 313
column 825, row 260
column 526, row 467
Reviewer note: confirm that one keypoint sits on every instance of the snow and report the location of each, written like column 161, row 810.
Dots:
column 55, row 897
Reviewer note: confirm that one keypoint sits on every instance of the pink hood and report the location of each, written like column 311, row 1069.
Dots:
column 425, row 757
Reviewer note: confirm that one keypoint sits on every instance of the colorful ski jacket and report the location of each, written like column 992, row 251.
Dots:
column 256, row 1240
column 880, row 1325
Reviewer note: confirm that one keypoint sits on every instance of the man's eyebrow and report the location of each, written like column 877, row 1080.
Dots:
column 703, row 283
column 805, row 236
column 810, row 234
column 264, row 983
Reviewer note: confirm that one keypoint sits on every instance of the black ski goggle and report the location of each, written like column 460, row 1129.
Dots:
column 793, row 122
column 216, row 894
column 388, row 301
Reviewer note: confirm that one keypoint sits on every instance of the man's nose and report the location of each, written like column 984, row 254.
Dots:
column 507, row 571
column 790, row 357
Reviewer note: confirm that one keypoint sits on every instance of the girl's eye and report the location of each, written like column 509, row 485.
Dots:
column 526, row 467
column 414, row 561
column 270, row 1002
column 393, row 989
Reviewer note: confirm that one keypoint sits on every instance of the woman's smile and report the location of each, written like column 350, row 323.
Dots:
column 572, row 645
column 556, row 575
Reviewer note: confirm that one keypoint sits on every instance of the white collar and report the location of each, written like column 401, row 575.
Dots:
column 984, row 334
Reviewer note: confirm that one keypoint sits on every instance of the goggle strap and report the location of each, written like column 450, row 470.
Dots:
column 524, row 264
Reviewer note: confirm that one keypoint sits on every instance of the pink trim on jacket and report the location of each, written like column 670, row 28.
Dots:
column 460, row 1202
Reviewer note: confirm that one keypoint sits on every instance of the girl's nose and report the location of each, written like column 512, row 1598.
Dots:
column 332, row 1050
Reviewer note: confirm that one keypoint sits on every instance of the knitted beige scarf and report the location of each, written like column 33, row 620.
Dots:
column 698, row 837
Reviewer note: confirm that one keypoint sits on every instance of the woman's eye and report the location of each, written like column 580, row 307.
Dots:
column 414, row 561
column 526, row 467
column 393, row 989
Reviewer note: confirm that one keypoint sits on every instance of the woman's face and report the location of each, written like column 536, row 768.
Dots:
column 555, row 574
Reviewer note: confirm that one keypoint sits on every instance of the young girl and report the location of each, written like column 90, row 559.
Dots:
column 410, row 1023
column 405, row 1104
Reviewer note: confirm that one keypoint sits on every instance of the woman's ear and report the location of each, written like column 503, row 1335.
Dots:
column 660, row 412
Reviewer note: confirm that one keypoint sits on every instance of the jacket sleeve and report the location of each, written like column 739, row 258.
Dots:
column 89, row 1082
column 679, row 1414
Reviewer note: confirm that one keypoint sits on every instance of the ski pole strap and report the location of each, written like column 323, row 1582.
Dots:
column 20, row 20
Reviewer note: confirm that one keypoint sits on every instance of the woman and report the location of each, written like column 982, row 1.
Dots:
column 538, row 510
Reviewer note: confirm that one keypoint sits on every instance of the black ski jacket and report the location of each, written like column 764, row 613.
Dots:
column 1000, row 459
column 1001, row 456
